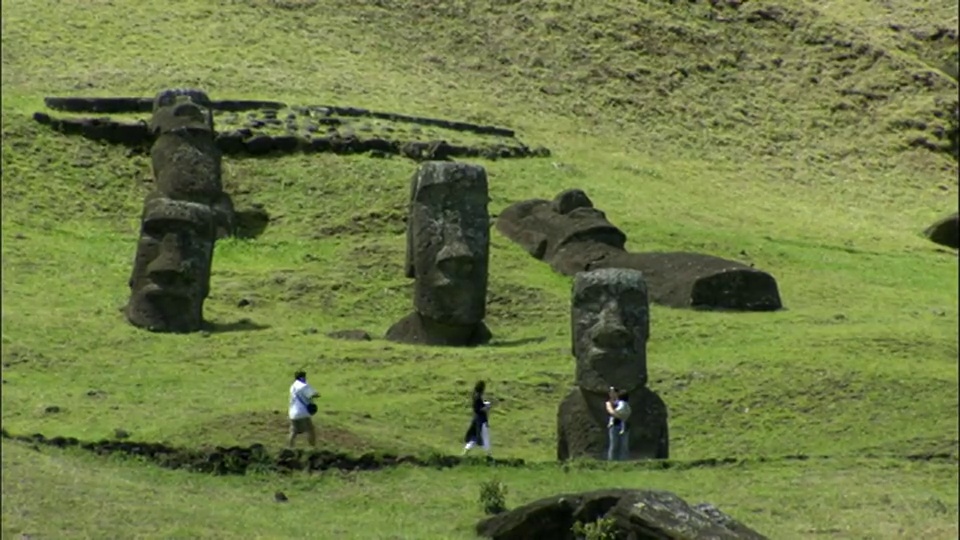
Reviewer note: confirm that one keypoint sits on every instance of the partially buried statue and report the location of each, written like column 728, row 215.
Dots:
column 573, row 236
column 171, row 271
column 187, row 164
column 448, row 251
column 181, row 219
column 610, row 327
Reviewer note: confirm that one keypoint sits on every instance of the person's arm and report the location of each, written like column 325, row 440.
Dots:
column 610, row 409
column 311, row 393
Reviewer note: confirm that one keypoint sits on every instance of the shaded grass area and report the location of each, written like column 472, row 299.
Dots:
column 749, row 159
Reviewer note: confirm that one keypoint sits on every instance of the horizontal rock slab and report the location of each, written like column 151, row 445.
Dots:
column 127, row 105
column 635, row 514
column 945, row 231
column 246, row 142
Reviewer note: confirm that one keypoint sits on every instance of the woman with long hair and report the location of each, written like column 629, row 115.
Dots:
column 478, row 434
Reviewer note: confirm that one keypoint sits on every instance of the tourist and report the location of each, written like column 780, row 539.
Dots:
column 478, row 434
column 302, row 408
column 619, row 410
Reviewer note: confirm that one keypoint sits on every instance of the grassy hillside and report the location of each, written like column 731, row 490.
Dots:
column 780, row 135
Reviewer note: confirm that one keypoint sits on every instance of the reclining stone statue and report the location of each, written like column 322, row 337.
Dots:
column 448, row 251
column 610, row 321
column 572, row 236
column 171, row 271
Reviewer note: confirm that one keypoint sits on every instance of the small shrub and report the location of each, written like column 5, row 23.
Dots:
column 493, row 497
column 601, row 529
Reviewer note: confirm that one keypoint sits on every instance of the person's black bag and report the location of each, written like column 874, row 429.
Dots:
column 311, row 407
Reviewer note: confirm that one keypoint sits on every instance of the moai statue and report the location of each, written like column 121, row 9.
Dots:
column 187, row 163
column 571, row 235
column 171, row 271
column 610, row 325
column 448, row 252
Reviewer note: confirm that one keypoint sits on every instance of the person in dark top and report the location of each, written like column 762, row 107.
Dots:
column 478, row 434
column 619, row 410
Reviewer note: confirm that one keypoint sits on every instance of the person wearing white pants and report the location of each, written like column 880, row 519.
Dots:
column 478, row 434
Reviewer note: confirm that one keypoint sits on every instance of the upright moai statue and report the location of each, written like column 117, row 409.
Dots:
column 182, row 217
column 610, row 321
column 448, row 252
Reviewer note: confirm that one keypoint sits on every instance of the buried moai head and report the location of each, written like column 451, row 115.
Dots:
column 546, row 229
column 171, row 271
column 187, row 164
column 448, row 242
column 610, row 321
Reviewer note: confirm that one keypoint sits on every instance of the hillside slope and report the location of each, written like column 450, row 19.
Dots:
column 783, row 134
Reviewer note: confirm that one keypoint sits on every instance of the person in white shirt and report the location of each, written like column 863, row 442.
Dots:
column 302, row 409
column 619, row 411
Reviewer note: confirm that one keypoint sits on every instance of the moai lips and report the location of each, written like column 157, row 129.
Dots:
column 448, row 252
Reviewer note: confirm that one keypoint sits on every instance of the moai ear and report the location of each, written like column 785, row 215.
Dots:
column 408, row 267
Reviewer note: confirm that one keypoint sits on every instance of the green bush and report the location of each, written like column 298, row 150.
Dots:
column 493, row 497
column 601, row 529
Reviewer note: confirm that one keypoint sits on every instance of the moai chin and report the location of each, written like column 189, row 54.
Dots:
column 610, row 323
column 448, row 252
column 171, row 271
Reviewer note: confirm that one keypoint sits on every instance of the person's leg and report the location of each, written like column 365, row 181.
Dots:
column 311, row 432
column 611, row 443
column 625, row 446
column 293, row 433
column 485, row 435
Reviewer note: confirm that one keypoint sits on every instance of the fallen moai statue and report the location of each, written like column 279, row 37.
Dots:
column 633, row 514
column 946, row 231
column 610, row 321
column 572, row 236
column 448, row 252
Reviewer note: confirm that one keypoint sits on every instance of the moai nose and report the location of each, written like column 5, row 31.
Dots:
column 168, row 265
column 609, row 332
column 455, row 259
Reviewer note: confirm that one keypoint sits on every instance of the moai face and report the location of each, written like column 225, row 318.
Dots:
column 610, row 324
column 544, row 228
column 448, row 242
column 171, row 271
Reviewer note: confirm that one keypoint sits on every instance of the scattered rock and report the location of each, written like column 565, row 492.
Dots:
column 244, row 302
column 280, row 497
column 121, row 434
column 353, row 335
column 945, row 232
column 52, row 409
column 640, row 514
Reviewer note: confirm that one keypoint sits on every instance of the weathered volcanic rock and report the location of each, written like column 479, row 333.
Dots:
column 636, row 514
column 945, row 231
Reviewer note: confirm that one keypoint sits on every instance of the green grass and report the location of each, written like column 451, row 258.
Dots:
column 746, row 158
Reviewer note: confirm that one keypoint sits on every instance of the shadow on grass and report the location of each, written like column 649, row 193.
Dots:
column 517, row 342
column 243, row 325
